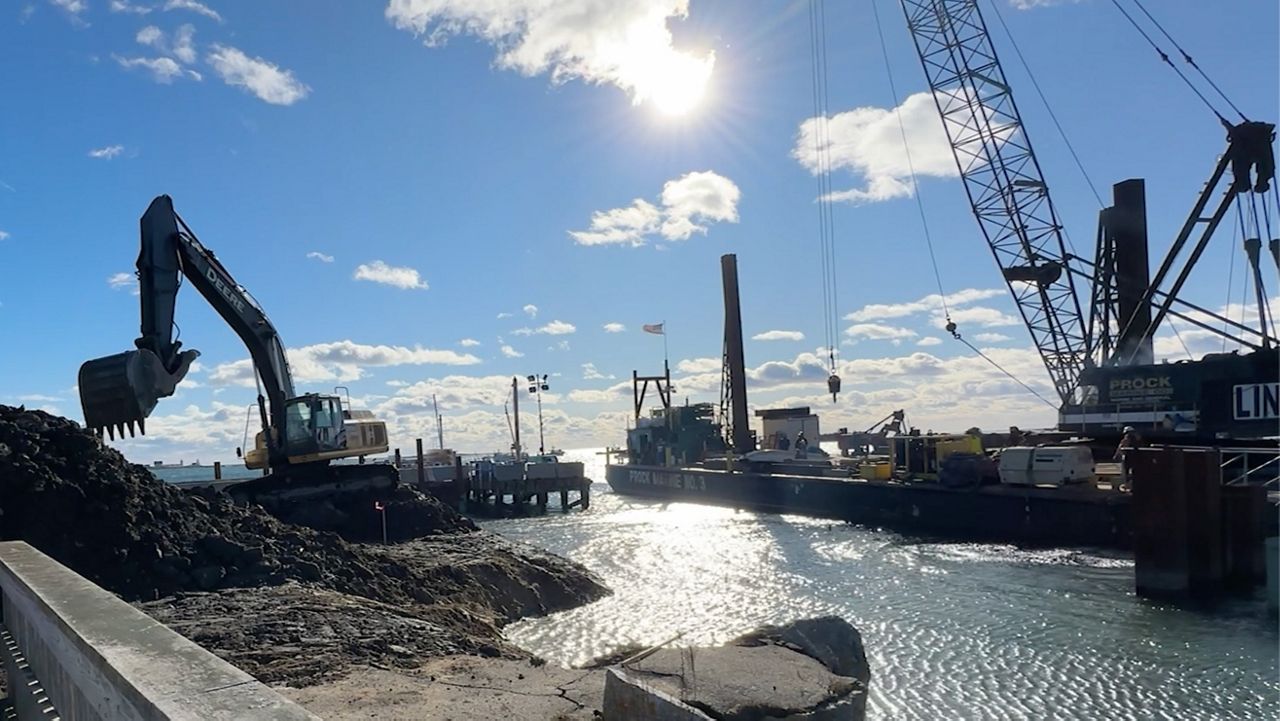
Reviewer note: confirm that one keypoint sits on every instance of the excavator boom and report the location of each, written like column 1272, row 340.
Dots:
column 301, row 434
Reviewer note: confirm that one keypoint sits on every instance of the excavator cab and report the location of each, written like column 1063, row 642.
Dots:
column 318, row 428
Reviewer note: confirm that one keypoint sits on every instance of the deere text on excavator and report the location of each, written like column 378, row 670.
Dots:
column 301, row 434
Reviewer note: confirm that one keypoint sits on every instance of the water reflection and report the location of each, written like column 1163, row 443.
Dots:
column 953, row 630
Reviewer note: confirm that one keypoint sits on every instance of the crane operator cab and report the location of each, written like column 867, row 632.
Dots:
column 317, row 428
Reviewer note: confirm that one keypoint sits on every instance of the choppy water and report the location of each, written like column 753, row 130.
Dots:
column 952, row 630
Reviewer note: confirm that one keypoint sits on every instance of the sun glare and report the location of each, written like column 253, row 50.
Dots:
column 676, row 83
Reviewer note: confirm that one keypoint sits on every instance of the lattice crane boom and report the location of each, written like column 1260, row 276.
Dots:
column 1003, row 180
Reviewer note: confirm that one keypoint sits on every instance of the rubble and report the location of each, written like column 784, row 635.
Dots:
column 296, row 604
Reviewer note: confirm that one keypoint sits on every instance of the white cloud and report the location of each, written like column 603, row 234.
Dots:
column 74, row 7
column 151, row 35
column 689, row 204
column 39, row 398
column 468, row 342
column 625, row 43
column 317, row 255
column 124, row 6
column 4, row 235
column 555, row 327
column 591, row 373
column 991, row 337
column 614, row 327
column 340, row 361
column 106, row 152
column 531, row 310
column 929, row 340
column 779, row 335
column 510, row 352
column 184, row 47
column 163, row 70
column 399, row 277
column 931, row 302
column 262, row 78
column 877, row 331
column 1030, row 4
column 503, row 315
column 193, row 6
column 123, row 281
column 868, row 142
column 978, row 315
column 698, row 365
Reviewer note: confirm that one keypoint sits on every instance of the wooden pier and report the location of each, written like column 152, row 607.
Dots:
column 490, row 496
column 485, row 488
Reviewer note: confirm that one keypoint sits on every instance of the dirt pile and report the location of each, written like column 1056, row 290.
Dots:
column 116, row 524
column 301, row 635
column 290, row 603
column 409, row 514
column 468, row 587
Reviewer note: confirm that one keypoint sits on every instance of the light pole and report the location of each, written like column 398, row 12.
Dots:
column 538, row 384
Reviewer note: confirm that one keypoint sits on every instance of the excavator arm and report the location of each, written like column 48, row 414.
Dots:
column 120, row 391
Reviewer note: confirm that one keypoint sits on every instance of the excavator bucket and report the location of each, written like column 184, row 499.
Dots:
column 119, row 391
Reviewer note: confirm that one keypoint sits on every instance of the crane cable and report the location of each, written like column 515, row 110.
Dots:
column 1186, row 57
column 924, row 223
column 1165, row 57
column 906, row 147
column 1052, row 115
column 822, row 160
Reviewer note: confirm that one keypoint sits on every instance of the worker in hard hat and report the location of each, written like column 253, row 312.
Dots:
column 1129, row 442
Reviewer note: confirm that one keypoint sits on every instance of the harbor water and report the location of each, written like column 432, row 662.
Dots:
column 953, row 630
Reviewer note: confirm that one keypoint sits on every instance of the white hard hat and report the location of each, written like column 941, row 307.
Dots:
column 1128, row 429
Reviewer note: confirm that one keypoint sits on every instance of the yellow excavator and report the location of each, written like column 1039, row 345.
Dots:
column 302, row 435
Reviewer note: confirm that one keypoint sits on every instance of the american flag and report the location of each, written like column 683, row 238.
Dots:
column 656, row 328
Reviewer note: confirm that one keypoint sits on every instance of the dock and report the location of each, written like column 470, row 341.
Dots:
column 497, row 488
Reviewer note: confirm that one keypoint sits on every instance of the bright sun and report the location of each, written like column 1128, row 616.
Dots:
column 676, row 83
column 679, row 94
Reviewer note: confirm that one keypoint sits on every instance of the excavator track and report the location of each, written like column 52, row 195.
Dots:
column 324, row 497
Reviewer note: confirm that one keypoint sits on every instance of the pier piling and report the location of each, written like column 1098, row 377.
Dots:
column 1177, row 522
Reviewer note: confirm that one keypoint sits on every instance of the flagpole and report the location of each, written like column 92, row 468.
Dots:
column 666, row 359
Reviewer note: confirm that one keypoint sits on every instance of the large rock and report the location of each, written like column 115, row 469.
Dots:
column 810, row 670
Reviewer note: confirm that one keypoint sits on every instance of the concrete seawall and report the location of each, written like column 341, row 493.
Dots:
column 99, row 659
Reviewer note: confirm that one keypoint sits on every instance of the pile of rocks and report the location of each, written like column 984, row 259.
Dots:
column 117, row 525
column 287, row 601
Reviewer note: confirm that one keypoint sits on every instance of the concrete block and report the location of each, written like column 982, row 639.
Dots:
column 633, row 700
column 101, row 659
column 766, row 682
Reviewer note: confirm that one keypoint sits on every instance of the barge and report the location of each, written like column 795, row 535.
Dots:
column 1026, row 515
column 940, row 486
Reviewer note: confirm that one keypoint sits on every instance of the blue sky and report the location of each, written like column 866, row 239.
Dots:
column 392, row 180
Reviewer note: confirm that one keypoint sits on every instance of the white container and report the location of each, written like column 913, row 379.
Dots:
column 1046, row 465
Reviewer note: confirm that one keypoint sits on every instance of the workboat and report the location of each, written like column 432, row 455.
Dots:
column 936, row 485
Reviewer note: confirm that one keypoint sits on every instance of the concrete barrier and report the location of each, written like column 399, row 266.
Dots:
column 99, row 659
